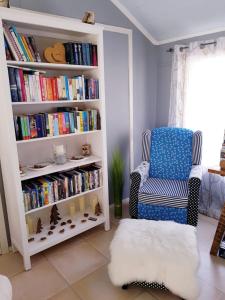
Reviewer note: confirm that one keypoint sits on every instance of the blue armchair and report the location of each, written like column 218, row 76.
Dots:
column 167, row 183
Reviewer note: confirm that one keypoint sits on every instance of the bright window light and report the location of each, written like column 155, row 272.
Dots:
column 205, row 103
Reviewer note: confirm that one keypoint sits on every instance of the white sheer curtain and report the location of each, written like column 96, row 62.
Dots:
column 198, row 95
column 197, row 101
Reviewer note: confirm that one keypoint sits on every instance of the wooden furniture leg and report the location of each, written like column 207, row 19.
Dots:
column 219, row 233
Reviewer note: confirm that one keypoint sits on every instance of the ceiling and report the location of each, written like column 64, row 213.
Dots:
column 164, row 21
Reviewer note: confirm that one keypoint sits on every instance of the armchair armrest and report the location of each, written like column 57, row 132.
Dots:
column 138, row 177
column 196, row 172
column 194, row 184
column 142, row 171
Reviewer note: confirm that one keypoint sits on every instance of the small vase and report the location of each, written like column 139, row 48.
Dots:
column 118, row 208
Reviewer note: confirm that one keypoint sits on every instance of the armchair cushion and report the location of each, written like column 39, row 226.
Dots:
column 171, row 153
column 164, row 192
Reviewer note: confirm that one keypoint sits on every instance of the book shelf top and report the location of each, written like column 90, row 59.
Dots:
column 43, row 21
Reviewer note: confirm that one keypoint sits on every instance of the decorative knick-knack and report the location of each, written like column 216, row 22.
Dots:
column 86, row 149
column 55, row 216
column 39, row 226
column 89, row 17
column 98, row 209
column 4, row 3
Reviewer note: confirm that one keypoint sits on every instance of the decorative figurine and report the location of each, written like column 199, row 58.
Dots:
column 55, row 216
column 98, row 209
column 39, row 226
column 86, row 150
column 55, row 54
column 89, row 17
column 4, row 3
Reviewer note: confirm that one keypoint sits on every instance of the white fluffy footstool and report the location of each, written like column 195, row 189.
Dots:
column 5, row 288
column 156, row 252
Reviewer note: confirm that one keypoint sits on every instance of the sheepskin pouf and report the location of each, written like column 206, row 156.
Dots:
column 5, row 288
column 155, row 251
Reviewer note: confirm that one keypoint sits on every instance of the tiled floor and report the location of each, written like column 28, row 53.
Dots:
column 77, row 270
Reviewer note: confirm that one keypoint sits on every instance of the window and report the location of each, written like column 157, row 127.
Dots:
column 205, row 103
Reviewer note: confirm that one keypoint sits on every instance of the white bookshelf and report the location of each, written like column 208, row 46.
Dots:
column 28, row 152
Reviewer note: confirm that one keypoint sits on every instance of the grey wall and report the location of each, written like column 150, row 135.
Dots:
column 164, row 76
column 145, row 72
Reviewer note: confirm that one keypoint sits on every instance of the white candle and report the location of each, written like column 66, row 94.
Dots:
column 72, row 210
column 82, row 204
column 27, row 229
column 94, row 201
column 59, row 150
column 30, row 225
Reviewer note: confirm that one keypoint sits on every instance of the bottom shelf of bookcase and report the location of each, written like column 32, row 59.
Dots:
column 38, row 245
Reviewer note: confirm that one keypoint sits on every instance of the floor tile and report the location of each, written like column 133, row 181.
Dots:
column 97, row 286
column 11, row 264
column 101, row 240
column 145, row 296
column 67, row 294
column 42, row 282
column 208, row 292
column 76, row 260
column 163, row 295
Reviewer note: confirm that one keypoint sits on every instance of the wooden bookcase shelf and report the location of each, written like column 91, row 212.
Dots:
column 56, row 102
column 57, row 137
column 48, row 66
column 29, row 152
column 62, row 201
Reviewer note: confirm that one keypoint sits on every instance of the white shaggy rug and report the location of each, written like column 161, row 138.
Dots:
column 156, row 251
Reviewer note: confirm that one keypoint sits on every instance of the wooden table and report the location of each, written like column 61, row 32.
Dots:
column 221, row 224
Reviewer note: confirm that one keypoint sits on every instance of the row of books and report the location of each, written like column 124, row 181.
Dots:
column 55, row 187
column 65, row 121
column 18, row 46
column 222, row 248
column 33, row 86
column 81, row 54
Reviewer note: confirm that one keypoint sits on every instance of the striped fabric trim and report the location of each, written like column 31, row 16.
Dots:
column 161, row 200
column 146, row 137
column 197, row 148
column 167, row 187
column 164, row 192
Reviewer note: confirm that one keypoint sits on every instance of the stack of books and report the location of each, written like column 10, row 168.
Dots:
column 32, row 86
column 65, row 121
column 19, row 47
column 222, row 248
column 81, row 54
column 222, row 152
column 55, row 187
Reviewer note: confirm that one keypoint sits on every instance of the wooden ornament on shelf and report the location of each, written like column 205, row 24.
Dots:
column 89, row 17
column 86, row 150
column 55, row 54
column 39, row 226
column 55, row 216
column 98, row 209
column 4, row 3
